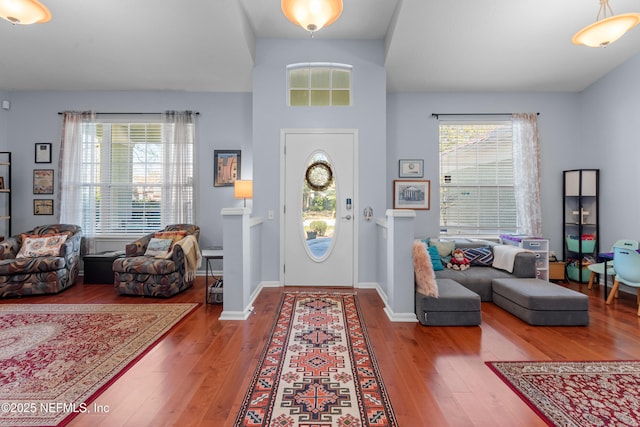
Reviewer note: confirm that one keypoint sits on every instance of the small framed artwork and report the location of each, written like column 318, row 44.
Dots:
column 411, row 169
column 226, row 167
column 43, row 152
column 43, row 207
column 411, row 194
column 43, row 181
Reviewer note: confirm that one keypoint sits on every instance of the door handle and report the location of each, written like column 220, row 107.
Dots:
column 347, row 217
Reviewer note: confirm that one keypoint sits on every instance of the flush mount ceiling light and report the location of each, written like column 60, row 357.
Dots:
column 604, row 32
column 312, row 15
column 24, row 12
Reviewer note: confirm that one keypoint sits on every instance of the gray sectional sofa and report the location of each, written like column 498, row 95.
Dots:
column 461, row 292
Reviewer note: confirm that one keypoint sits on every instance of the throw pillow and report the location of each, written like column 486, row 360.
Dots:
column 479, row 256
column 424, row 274
column 444, row 248
column 158, row 247
column 435, row 258
column 41, row 246
column 173, row 235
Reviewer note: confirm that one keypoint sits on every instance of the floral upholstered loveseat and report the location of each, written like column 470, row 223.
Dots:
column 140, row 273
column 25, row 269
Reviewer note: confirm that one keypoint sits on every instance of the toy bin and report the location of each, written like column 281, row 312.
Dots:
column 573, row 273
column 573, row 244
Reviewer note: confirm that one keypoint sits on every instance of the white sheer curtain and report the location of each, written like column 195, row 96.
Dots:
column 526, row 173
column 69, row 169
column 178, row 140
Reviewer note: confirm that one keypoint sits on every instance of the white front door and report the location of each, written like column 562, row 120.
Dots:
column 320, row 205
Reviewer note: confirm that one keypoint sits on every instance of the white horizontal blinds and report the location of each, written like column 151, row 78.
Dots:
column 476, row 178
column 125, row 178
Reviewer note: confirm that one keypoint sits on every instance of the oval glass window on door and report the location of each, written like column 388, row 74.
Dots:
column 319, row 206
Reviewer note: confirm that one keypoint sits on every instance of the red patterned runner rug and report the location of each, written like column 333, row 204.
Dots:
column 56, row 358
column 601, row 393
column 317, row 368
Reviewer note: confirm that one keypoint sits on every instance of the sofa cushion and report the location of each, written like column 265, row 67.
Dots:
column 541, row 303
column 41, row 246
column 9, row 267
column 144, row 265
column 536, row 294
column 455, row 306
column 477, row 279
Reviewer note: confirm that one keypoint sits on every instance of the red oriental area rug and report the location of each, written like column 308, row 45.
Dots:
column 56, row 358
column 317, row 368
column 577, row 393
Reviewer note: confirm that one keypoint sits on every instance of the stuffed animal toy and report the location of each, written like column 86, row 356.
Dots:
column 458, row 261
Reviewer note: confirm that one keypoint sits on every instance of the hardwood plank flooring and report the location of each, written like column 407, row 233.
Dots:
column 435, row 376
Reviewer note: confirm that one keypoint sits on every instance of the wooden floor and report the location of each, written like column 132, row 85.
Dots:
column 435, row 376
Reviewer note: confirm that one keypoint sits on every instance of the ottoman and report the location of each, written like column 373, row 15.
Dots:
column 455, row 306
column 541, row 303
column 97, row 267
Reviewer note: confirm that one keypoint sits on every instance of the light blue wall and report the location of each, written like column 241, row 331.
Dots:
column 224, row 123
column 593, row 129
column 610, row 136
column 413, row 134
column 367, row 115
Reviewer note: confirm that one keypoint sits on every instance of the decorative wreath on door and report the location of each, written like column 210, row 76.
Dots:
column 319, row 176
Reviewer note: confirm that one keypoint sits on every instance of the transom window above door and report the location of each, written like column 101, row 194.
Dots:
column 319, row 84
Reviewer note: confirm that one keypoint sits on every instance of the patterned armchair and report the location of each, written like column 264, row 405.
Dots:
column 140, row 274
column 27, row 272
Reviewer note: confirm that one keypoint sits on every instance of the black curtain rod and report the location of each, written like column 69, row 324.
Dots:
column 197, row 113
column 436, row 115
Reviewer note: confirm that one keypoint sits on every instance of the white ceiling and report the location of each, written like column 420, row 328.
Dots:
column 208, row 45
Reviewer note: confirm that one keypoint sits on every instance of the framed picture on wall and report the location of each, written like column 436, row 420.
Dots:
column 43, row 181
column 43, row 152
column 226, row 167
column 411, row 194
column 43, row 207
column 411, row 168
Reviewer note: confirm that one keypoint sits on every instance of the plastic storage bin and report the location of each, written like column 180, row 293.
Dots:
column 536, row 245
column 588, row 246
column 573, row 273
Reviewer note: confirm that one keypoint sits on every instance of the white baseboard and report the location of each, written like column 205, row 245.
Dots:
column 400, row 317
column 244, row 315
column 236, row 315
column 394, row 317
column 367, row 285
column 272, row 284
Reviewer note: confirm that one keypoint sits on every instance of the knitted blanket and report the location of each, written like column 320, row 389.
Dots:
column 192, row 256
column 504, row 256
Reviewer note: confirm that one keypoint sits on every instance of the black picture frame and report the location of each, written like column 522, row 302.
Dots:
column 43, row 206
column 226, row 167
column 43, row 152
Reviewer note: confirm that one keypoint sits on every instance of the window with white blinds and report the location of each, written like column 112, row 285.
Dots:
column 476, row 178
column 125, row 175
